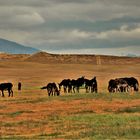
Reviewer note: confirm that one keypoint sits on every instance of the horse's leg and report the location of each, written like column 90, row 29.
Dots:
column 2, row 93
column 86, row 89
column 49, row 93
column 96, row 90
column 74, row 89
column 12, row 93
column 54, row 92
column 92, row 89
column 65, row 89
column 9, row 92
column 77, row 89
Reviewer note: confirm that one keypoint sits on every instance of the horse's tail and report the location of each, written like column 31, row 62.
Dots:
column 44, row 87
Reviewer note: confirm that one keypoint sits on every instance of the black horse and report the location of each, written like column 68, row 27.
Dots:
column 52, row 89
column 112, row 85
column 8, row 87
column 123, row 84
column 118, row 85
column 132, row 82
column 77, row 83
column 91, row 85
column 66, row 83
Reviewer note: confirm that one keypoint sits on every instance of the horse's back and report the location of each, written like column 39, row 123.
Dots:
column 4, row 86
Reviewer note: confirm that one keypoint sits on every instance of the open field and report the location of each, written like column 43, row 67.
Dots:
column 31, row 114
column 79, row 116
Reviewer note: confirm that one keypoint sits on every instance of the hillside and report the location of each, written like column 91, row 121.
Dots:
column 13, row 57
column 43, row 57
column 11, row 47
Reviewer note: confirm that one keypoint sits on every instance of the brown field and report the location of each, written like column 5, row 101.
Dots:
column 30, row 114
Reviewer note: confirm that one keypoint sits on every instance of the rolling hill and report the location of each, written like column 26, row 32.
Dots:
column 11, row 47
column 43, row 57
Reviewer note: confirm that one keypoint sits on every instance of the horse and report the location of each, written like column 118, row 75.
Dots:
column 8, row 87
column 132, row 82
column 122, row 85
column 112, row 85
column 91, row 85
column 52, row 89
column 77, row 83
column 118, row 85
column 66, row 83
column 94, row 85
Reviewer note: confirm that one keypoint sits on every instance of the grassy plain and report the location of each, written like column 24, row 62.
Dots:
column 31, row 114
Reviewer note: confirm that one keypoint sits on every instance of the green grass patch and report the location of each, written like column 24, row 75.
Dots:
column 13, row 138
column 104, row 96
column 130, row 110
column 17, row 113
column 106, row 126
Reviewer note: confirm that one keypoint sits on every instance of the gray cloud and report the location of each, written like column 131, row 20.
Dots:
column 53, row 24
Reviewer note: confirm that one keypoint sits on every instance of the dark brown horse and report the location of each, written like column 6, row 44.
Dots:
column 52, row 89
column 8, row 87
column 77, row 83
column 123, row 84
column 66, row 83
column 91, row 85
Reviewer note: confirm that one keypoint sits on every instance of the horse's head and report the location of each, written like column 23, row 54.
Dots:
column 136, row 87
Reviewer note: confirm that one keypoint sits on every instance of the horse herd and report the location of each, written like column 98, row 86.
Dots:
column 70, row 86
column 123, row 84
column 90, row 85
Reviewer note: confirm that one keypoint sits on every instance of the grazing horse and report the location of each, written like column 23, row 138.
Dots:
column 112, row 86
column 66, row 83
column 123, row 84
column 77, row 83
column 6, row 86
column 117, row 85
column 94, row 85
column 52, row 89
column 91, row 85
column 132, row 82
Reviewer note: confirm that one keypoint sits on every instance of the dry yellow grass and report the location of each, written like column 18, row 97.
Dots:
column 31, row 113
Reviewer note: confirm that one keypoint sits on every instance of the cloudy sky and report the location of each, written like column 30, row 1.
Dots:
column 73, row 26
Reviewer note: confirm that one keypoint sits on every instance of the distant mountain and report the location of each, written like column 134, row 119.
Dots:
column 15, row 48
column 131, row 55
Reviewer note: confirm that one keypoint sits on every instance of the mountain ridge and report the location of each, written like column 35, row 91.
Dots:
column 11, row 47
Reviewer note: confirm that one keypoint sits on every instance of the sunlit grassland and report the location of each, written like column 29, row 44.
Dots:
column 75, row 122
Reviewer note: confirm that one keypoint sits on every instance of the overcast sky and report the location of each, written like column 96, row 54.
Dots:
column 73, row 26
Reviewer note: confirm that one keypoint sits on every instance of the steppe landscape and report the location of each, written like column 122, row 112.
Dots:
column 31, row 114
